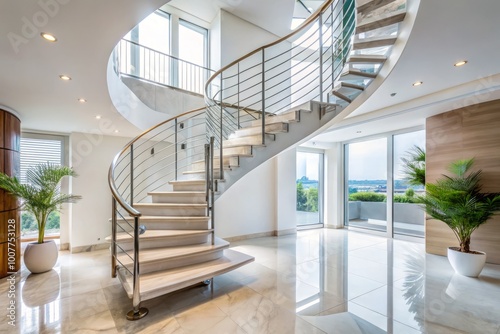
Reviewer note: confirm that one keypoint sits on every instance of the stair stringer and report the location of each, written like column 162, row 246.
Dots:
column 310, row 125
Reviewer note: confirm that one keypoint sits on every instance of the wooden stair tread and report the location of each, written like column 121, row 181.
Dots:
column 169, row 218
column 286, row 117
column 354, row 75
column 341, row 96
column 177, row 193
column 379, row 22
column 370, row 6
column 193, row 182
column 168, row 253
column 161, row 282
column 367, row 43
column 273, row 128
column 158, row 234
column 252, row 140
column 366, row 59
column 170, row 205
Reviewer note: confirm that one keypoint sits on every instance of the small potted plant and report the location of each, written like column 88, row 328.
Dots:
column 40, row 196
column 457, row 201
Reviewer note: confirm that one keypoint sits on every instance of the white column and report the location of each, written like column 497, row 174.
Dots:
column 286, row 192
column 334, row 187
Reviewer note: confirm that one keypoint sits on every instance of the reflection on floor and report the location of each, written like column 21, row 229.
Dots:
column 416, row 230
column 319, row 281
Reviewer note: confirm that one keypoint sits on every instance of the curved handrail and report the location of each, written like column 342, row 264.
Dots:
column 130, row 210
column 301, row 27
column 320, row 44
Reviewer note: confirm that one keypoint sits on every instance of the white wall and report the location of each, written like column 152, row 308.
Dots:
column 334, row 207
column 262, row 202
column 249, row 206
column 286, row 192
column 91, row 156
column 215, row 43
column 239, row 37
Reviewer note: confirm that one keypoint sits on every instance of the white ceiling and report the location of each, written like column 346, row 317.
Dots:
column 444, row 31
column 87, row 32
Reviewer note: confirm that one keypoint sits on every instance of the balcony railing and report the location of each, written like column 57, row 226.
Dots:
column 141, row 62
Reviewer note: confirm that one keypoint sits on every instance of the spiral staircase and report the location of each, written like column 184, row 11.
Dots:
column 165, row 182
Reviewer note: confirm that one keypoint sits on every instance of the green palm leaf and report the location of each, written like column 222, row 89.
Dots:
column 41, row 193
column 457, row 201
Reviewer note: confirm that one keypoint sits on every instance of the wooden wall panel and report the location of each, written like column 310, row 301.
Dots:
column 461, row 134
column 10, row 138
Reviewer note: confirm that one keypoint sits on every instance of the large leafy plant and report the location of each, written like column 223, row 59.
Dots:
column 414, row 166
column 457, row 200
column 41, row 194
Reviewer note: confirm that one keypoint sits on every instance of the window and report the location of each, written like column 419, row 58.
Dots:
column 37, row 149
column 166, row 50
column 367, row 184
column 377, row 195
column 309, row 182
column 193, row 41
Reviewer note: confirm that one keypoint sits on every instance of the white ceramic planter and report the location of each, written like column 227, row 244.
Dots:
column 466, row 264
column 40, row 258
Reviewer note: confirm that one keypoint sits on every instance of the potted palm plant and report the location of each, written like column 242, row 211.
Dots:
column 457, row 201
column 40, row 195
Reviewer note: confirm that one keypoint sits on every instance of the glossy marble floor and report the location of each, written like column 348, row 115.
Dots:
column 319, row 281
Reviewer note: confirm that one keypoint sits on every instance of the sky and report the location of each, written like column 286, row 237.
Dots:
column 368, row 159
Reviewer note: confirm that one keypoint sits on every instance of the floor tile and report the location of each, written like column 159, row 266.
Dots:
column 318, row 281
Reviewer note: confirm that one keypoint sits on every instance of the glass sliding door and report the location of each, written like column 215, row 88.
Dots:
column 366, row 180
column 408, row 216
column 377, row 195
column 309, row 183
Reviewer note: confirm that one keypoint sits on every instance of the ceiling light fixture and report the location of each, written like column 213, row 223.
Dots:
column 358, row 131
column 98, row 117
column 82, row 100
column 64, row 77
column 417, row 83
column 116, row 131
column 460, row 63
column 48, row 37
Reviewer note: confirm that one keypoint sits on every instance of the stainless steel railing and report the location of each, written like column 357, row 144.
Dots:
column 298, row 68
column 147, row 163
column 139, row 61
column 275, row 78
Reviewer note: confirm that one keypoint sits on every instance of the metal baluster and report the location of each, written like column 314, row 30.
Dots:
column 132, row 175
column 320, row 30
column 212, row 193
column 137, row 312
column 176, row 148
column 113, row 238
column 263, row 99
column 239, row 96
column 221, row 136
column 207, row 177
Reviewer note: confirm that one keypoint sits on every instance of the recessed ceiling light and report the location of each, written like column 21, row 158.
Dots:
column 417, row 83
column 82, row 100
column 116, row 131
column 48, row 37
column 460, row 63
column 98, row 117
column 64, row 77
